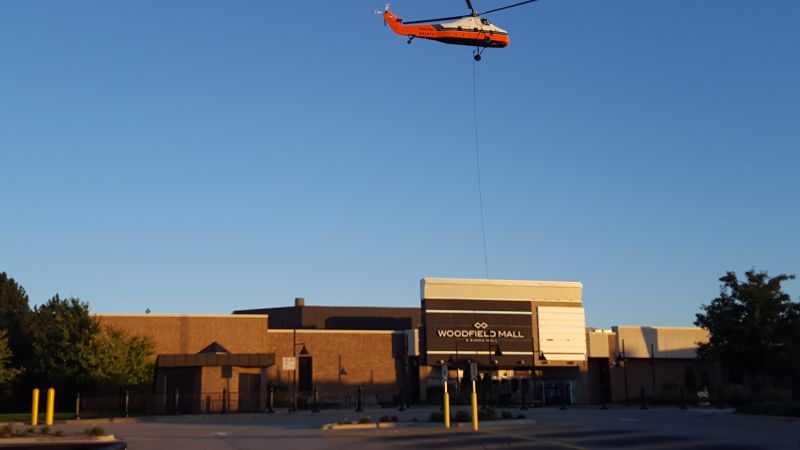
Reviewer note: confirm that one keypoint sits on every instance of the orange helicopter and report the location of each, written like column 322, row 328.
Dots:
column 470, row 29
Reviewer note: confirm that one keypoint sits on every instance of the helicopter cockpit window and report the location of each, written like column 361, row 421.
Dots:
column 486, row 22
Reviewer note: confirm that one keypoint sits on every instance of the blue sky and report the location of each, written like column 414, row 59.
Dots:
column 200, row 157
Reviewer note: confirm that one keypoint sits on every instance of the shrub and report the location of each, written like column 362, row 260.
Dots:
column 365, row 420
column 31, row 430
column 487, row 414
column 521, row 416
column 44, row 430
column 436, row 416
column 344, row 422
column 734, row 394
column 94, row 431
column 6, row 430
column 463, row 416
column 58, row 433
column 786, row 409
column 506, row 415
column 394, row 419
column 385, row 419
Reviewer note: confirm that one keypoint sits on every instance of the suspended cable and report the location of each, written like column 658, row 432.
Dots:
column 478, row 164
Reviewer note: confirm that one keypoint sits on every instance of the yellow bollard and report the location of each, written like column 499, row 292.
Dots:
column 474, row 407
column 446, row 407
column 51, row 403
column 35, row 408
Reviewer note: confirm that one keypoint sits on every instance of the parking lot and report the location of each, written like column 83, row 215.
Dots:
column 543, row 428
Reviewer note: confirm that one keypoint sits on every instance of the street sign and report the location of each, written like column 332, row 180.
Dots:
column 473, row 371
column 289, row 363
column 444, row 373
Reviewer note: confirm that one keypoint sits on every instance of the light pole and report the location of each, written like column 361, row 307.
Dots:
column 622, row 360
column 341, row 372
column 458, row 375
column 492, row 362
column 303, row 352
column 653, row 368
column 402, row 364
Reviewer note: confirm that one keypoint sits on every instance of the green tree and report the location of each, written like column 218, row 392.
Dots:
column 7, row 374
column 63, row 335
column 752, row 325
column 120, row 360
column 15, row 316
column 793, row 351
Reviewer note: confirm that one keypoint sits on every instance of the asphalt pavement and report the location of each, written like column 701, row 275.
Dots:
column 543, row 428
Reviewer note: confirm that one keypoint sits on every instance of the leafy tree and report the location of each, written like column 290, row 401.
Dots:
column 793, row 318
column 121, row 360
column 753, row 324
column 15, row 315
column 63, row 335
column 7, row 374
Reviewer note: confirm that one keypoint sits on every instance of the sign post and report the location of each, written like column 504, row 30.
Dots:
column 473, row 374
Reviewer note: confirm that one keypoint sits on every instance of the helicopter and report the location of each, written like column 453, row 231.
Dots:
column 470, row 29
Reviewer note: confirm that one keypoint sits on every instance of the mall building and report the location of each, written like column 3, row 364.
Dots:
column 527, row 340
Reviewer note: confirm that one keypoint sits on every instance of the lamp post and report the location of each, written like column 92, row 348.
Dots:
column 402, row 363
column 341, row 372
column 622, row 360
column 303, row 352
column 492, row 362
column 539, row 373
column 458, row 375
column 653, row 368
column 454, row 362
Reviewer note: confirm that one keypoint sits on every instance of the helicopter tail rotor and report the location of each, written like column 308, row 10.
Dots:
column 381, row 13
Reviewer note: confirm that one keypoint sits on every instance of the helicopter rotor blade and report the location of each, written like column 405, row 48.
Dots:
column 506, row 7
column 473, row 14
column 440, row 19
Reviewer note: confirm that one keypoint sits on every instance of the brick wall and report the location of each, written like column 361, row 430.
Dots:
column 190, row 333
column 366, row 356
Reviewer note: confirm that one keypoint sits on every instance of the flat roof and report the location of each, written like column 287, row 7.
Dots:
column 201, row 316
column 493, row 282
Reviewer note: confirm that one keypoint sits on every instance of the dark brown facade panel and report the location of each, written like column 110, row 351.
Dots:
column 477, row 305
column 339, row 317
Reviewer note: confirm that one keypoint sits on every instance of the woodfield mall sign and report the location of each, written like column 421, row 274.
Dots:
column 481, row 331
column 466, row 329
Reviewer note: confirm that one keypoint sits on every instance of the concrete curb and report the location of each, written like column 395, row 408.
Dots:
column 429, row 425
column 59, row 440
column 105, row 420
column 359, row 426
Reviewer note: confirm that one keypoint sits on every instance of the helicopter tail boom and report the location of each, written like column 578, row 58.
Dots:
column 396, row 24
